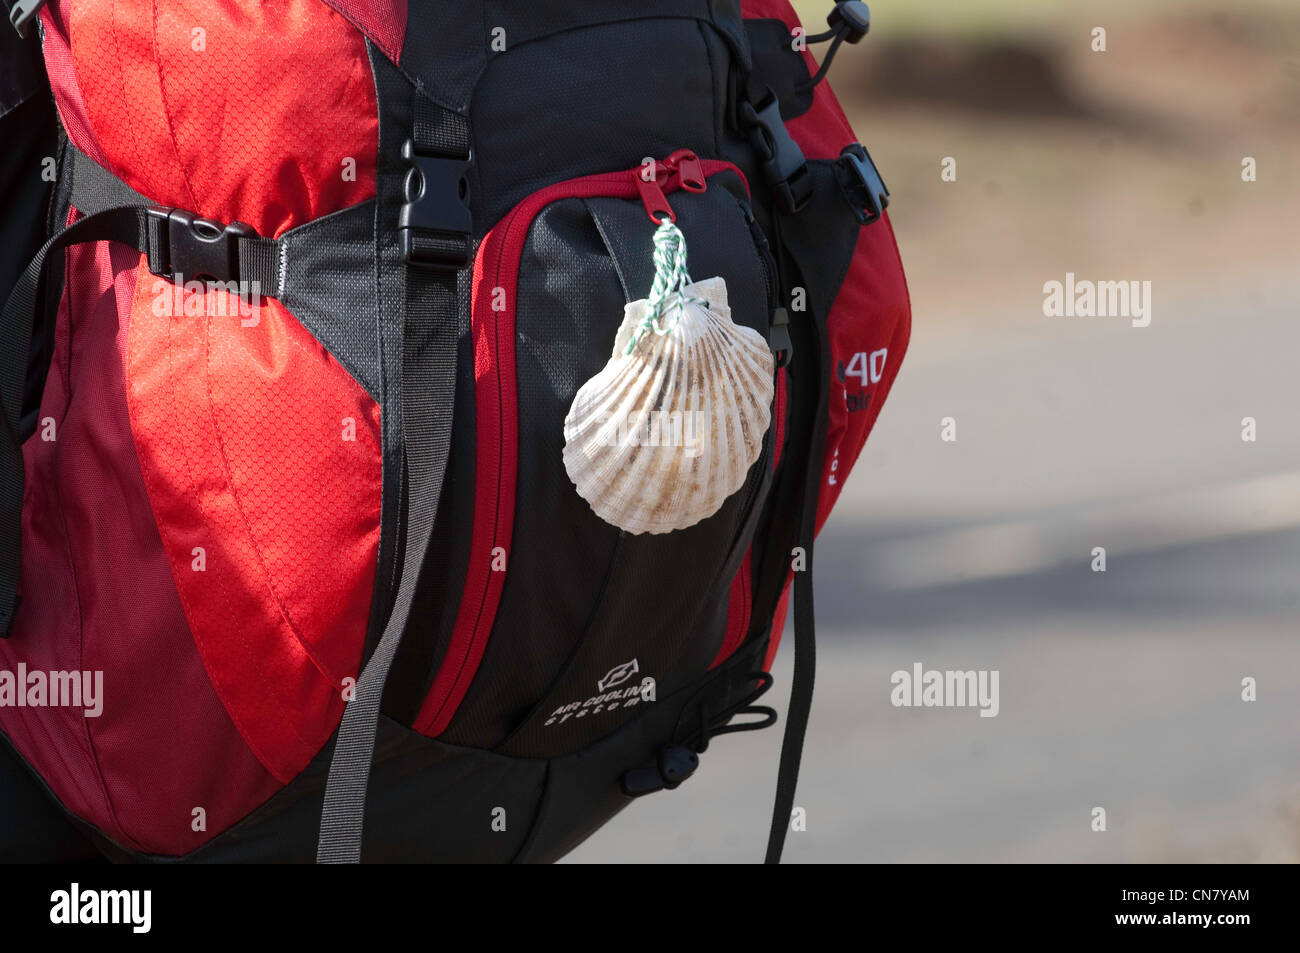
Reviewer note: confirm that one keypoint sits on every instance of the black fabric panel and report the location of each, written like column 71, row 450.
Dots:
column 569, row 303
column 29, row 131
column 33, row 827
column 449, row 42
column 778, row 65
column 633, row 106
column 330, row 287
column 22, row 76
column 575, row 583
column 428, row 803
column 431, row 802
column 584, row 790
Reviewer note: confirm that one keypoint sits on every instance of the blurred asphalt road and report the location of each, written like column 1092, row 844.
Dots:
column 1119, row 690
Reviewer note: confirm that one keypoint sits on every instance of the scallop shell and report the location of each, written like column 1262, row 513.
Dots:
column 695, row 403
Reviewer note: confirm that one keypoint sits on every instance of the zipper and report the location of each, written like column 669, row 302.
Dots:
column 683, row 164
column 494, row 334
column 764, row 253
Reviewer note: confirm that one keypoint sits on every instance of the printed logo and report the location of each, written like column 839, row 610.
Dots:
column 618, row 675
column 868, row 368
column 611, row 694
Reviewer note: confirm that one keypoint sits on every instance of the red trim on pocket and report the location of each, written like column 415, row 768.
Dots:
column 496, row 421
column 741, row 604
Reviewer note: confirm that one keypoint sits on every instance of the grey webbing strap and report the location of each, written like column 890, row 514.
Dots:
column 428, row 389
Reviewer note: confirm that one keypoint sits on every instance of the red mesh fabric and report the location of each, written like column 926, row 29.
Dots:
column 245, row 437
column 63, row 82
column 384, row 21
column 255, row 125
column 98, row 596
column 241, row 437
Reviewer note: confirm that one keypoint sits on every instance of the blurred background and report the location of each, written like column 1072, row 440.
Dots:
column 1119, row 689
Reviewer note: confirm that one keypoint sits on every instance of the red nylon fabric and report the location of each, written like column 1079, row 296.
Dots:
column 872, row 313
column 63, row 82
column 254, row 126
column 241, row 439
column 250, row 440
column 384, row 21
column 98, row 597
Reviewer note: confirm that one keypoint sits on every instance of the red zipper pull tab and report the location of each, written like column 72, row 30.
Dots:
column 652, row 196
column 688, row 168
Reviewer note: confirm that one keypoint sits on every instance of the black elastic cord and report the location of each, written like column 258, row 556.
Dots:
column 826, row 63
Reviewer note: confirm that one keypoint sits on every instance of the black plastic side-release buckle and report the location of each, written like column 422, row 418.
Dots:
column 780, row 159
column 675, row 764
column 23, row 13
column 861, row 183
column 435, row 225
column 182, row 244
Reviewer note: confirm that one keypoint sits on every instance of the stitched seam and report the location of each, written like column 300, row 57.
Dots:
column 153, row 486
column 167, row 117
column 228, row 473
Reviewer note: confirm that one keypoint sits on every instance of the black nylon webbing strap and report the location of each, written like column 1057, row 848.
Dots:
column 815, row 346
column 94, row 188
column 428, row 389
column 805, row 658
column 801, row 695
column 151, row 231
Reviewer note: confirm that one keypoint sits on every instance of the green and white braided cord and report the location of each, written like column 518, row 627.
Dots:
column 667, row 295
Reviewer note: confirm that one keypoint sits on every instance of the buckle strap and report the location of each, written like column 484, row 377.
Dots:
column 437, row 242
column 780, row 160
column 23, row 13
column 861, row 183
column 181, row 246
column 434, row 226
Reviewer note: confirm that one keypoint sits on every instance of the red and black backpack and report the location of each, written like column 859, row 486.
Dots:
column 284, row 393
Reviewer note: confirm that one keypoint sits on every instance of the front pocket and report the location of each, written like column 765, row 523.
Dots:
column 556, row 601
